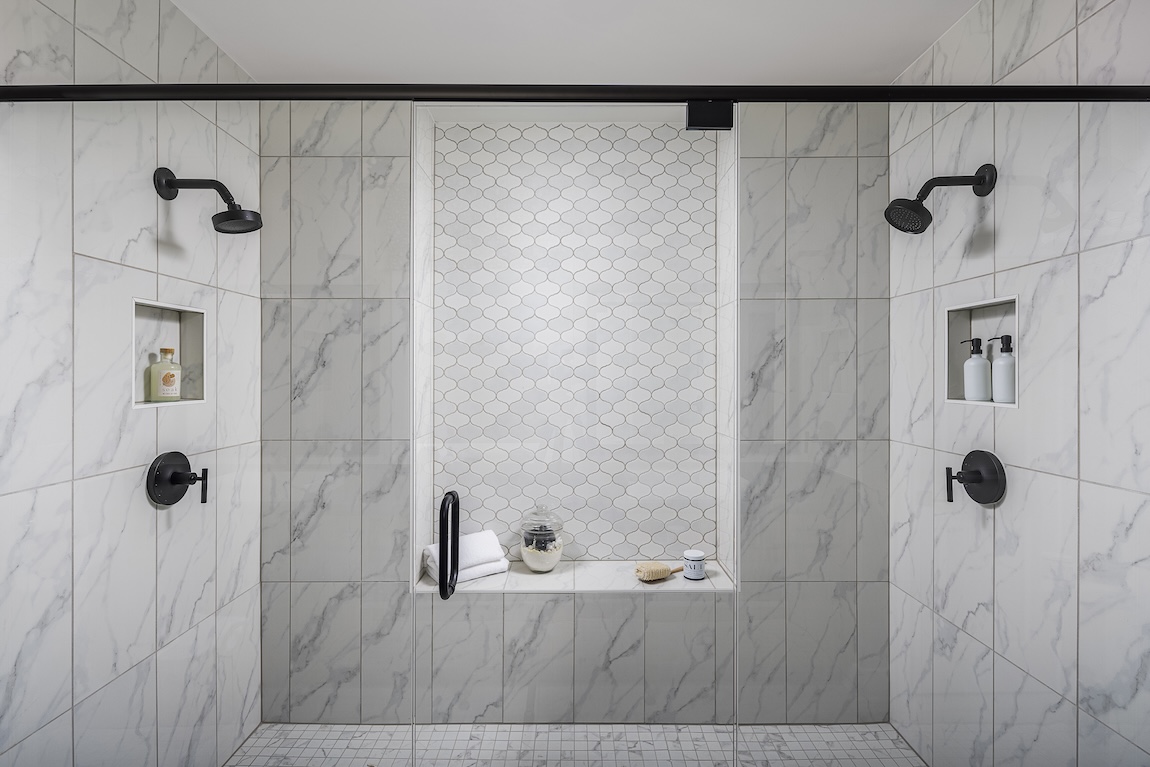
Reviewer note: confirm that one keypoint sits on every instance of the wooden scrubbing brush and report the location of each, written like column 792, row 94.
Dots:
column 654, row 571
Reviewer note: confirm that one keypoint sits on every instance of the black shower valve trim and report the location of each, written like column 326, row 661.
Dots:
column 982, row 476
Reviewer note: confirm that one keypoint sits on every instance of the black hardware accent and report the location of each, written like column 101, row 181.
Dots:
column 169, row 478
column 982, row 476
column 710, row 115
column 234, row 220
column 448, row 544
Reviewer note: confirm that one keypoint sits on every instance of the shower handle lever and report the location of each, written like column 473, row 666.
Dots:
column 191, row 478
column 965, row 477
column 982, row 476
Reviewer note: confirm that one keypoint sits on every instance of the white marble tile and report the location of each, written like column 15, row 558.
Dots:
column 822, row 227
column 325, row 128
column 1087, row 8
column 275, row 236
column 1099, row 746
column 109, row 433
column 327, row 353
column 609, row 658
column 912, row 488
column 958, row 428
column 114, row 578
column 912, row 671
column 275, row 650
column 1036, row 199
column 873, row 491
column 421, row 660
column 275, row 128
column 51, row 744
column 762, row 511
column 679, row 658
column 911, row 255
column 326, row 234
column 822, row 383
column 114, row 200
column 185, row 239
column 1057, row 64
column 1025, row 27
column 35, row 396
column 35, row 45
column 239, row 254
column 539, row 657
column 909, row 119
column 821, row 511
column 762, row 642
column 762, row 354
column 762, row 130
column 241, row 119
column 963, row 698
column 187, row 55
column 128, row 28
column 387, row 128
column 874, row 652
column 422, row 238
column 1115, row 173
column 275, row 371
column 911, row 379
column 1035, row 577
column 964, row 225
column 96, row 65
column 35, row 609
column 467, row 659
column 1042, row 434
column 191, row 428
column 762, row 227
column 237, row 365
column 1110, row 52
column 386, row 384
column 386, row 532
column 726, row 686
column 822, row 129
column 873, row 232
column 963, row 558
column 275, row 500
column 326, row 480
column 608, row 575
column 1113, row 378
column 186, row 557
column 873, row 361
column 387, row 227
column 822, row 652
column 1114, row 578
column 387, row 681
column 522, row 579
column 962, row 56
column 237, row 490
column 874, row 129
column 1033, row 725
column 186, row 698
column 117, row 724
column 237, row 672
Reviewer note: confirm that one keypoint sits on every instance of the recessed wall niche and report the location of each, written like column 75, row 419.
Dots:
column 156, row 325
column 985, row 319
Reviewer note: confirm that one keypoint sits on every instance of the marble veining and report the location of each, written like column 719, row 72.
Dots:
column 36, row 45
column 822, row 129
column 238, row 340
column 964, row 227
column 237, row 672
column 128, row 28
column 275, row 129
column 609, row 658
column 963, row 559
column 872, row 414
column 762, row 626
column 326, row 669
column 911, row 380
column 1099, row 746
column 911, row 520
column 962, row 56
column 51, row 744
column 873, row 230
column 1033, row 726
column 821, row 369
column 240, row 119
column 387, row 381
column 963, row 698
column 275, row 500
column 1109, row 51
column 386, row 505
column 873, row 510
column 909, row 119
column 186, row 698
column 762, row 358
column 1023, row 28
column 275, row 237
column 187, row 55
column 762, row 505
column 538, row 657
column 326, row 481
column 822, row 652
column 387, row 128
column 467, row 659
column 325, row 128
column 326, row 388
column 874, row 652
column 275, row 370
column 679, row 657
column 237, row 487
column 762, row 130
column 186, row 243
column 822, row 227
column 387, row 227
column 386, row 649
column 186, row 559
column 117, row 724
column 275, row 650
column 1115, row 173
column 762, row 228
column 821, row 510
column 326, row 238
column 911, row 671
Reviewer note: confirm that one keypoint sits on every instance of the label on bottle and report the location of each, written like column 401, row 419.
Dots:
column 170, row 383
column 694, row 570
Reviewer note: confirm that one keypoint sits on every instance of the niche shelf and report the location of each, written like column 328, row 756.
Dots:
column 156, row 324
column 981, row 319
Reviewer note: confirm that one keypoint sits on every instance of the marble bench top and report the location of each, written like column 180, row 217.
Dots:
column 585, row 576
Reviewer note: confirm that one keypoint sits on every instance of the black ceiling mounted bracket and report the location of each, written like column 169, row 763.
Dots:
column 982, row 476
column 710, row 115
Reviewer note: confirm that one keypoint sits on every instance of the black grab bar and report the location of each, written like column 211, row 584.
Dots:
column 448, row 544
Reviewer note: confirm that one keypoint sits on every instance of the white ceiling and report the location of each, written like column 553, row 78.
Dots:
column 584, row 42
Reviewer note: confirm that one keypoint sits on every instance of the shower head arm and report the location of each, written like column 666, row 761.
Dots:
column 204, row 183
column 929, row 186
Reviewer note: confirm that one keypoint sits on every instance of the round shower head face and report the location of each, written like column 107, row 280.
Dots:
column 909, row 216
column 237, row 221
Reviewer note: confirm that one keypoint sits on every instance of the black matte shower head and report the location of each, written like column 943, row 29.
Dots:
column 912, row 217
column 234, row 220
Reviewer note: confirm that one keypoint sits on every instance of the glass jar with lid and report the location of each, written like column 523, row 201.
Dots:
column 541, row 546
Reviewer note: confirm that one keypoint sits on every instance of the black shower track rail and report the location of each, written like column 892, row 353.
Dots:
column 630, row 94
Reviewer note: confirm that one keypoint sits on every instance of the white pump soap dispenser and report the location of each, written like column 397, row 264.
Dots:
column 1002, row 374
column 976, row 373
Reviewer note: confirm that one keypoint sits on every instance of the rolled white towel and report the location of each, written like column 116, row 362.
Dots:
column 471, row 573
column 474, row 549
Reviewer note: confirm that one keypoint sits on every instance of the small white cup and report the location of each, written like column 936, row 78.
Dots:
column 693, row 565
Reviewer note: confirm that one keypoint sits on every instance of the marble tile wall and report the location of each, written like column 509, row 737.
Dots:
column 814, row 411
column 1017, row 630
column 336, row 415
column 132, row 631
